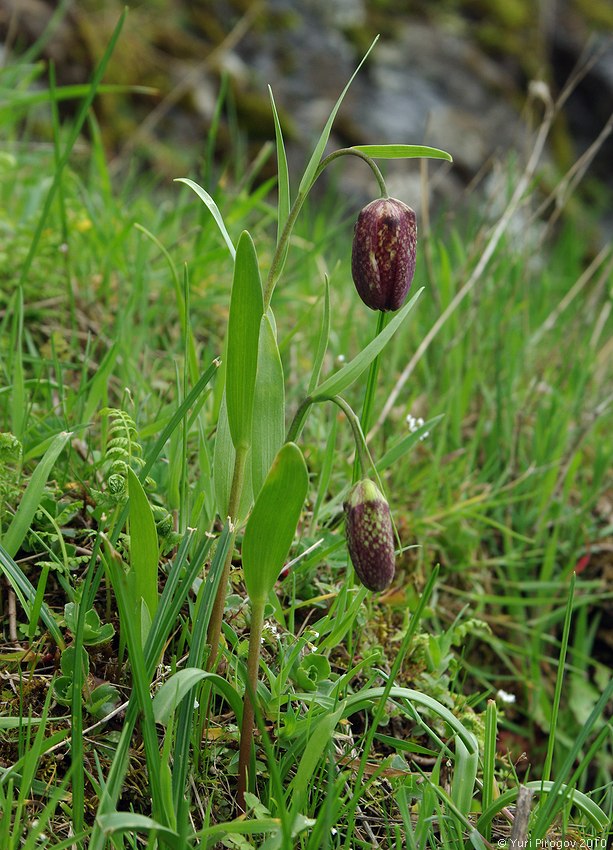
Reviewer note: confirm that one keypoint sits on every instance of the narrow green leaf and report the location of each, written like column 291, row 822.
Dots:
column 133, row 822
column 213, row 209
column 195, row 399
column 489, row 760
column 26, row 594
column 192, row 355
column 141, row 677
column 176, row 589
column 367, row 696
column 268, row 431
column 99, row 383
column 319, row 739
column 589, row 808
column 144, row 550
column 403, row 152
column 338, row 383
column 30, row 501
column 324, row 337
column 240, row 826
column 181, row 683
column 246, row 309
column 272, row 524
column 284, row 201
column 12, row 100
column 18, row 722
column 38, row 601
column 464, row 775
column 307, row 179
column 19, row 404
column 399, row 449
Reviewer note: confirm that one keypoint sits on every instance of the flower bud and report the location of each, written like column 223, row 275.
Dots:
column 370, row 537
column 383, row 253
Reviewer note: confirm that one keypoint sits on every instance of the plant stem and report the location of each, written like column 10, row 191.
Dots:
column 236, row 491
column 253, row 659
column 361, row 155
column 298, row 421
column 371, row 390
column 278, row 259
column 362, row 455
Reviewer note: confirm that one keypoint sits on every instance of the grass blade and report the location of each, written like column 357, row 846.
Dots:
column 589, row 808
column 140, row 674
column 169, row 696
column 74, row 135
column 26, row 594
column 120, row 822
column 559, row 680
column 204, row 607
column 489, row 760
column 30, row 501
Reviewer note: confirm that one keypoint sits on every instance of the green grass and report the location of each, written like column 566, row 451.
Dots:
column 380, row 720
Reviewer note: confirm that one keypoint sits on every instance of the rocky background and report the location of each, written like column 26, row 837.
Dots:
column 456, row 74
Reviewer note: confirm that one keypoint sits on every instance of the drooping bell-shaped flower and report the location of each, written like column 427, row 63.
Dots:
column 383, row 253
column 370, row 536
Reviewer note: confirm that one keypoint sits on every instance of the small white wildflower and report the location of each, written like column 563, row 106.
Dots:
column 415, row 423
column 504, row 696
column 272, row 629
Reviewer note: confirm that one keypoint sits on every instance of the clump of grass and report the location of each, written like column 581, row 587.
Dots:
column 152, row 486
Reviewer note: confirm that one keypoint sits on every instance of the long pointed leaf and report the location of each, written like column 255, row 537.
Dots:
column 213, row 209
column 311, row 168
column 268, row 430
column 144, row 550
column 324, row 337
column 338, row 383
column 246, row 309
column 403, row 152
column 283, row 204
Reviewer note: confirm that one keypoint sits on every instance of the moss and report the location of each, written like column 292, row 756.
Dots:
column 598, row 13
column 509, row 14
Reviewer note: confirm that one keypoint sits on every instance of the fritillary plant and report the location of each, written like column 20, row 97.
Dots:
column 260, row 474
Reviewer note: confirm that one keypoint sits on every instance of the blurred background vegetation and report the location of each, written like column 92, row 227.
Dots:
column 453, row 72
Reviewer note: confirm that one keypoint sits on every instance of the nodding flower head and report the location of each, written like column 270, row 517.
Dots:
column 383, row 253
column 370, row 536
